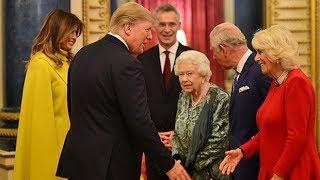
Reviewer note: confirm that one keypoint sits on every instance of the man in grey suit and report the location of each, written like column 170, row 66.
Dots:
column 249, row 90
column 110, row 119
column 162, row 85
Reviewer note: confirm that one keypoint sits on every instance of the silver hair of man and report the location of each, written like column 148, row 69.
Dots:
column 227, row 34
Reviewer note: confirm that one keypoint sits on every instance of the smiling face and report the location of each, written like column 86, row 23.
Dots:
column 167, row 25
column 68, row 42
column 140, row 33
column 189, row 78
column 266, row 65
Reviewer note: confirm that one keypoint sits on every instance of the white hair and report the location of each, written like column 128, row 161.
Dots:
column 196, row 58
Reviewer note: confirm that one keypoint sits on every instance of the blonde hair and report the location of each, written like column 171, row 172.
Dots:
column 196, row 58
column 57, row 26
column 130, row 12
column 227, row 34
column 279, row 46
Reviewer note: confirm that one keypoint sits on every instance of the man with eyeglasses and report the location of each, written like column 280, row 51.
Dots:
column 162, row 85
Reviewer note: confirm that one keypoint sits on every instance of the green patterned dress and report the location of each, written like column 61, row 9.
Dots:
column 209, row 157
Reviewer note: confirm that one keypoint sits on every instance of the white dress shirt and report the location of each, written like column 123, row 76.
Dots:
column 172, row 55
column 118, row 37
column 242, row 61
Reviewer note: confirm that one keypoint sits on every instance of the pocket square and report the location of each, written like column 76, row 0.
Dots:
column 243, row 88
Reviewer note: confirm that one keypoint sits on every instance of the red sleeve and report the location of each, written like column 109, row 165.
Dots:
column 251, row 147
column 297, row 100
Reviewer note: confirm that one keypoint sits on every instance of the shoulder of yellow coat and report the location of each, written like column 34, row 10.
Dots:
column 41, row 59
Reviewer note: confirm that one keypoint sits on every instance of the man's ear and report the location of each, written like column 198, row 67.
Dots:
column 127, row 28
column 225, row 49
column 179, row 25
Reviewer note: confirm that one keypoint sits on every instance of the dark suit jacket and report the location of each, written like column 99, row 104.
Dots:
column 163, row 106
column 243, row 109
column 110, row 119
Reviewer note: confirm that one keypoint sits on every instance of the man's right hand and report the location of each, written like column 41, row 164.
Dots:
column 166, row 138
column 178, row 172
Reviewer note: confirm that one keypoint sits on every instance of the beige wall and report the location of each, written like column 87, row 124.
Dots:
column 1, row 52
column 229, row 11
column 76, row 8
column 318, row 69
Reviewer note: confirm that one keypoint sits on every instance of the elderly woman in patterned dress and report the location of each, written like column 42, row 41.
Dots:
column 201, row 131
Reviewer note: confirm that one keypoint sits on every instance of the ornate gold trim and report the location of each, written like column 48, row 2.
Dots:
column 85, row 21
column 8, row 132
column 96, row 17
column 6, row 167
column 315, row 4
column 7, row 154
column 313, row 43
column 9, row 116
column 291, row 7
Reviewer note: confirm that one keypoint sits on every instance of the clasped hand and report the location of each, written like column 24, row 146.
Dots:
column 178, row 172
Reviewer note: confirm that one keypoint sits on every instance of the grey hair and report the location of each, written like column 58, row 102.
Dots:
column 166, row 8
column 196, row 58
column 227, row 34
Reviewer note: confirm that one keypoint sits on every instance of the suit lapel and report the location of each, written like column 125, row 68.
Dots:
column 245, row 69
column 156, row 65
column 242, row 77
column 173, row 78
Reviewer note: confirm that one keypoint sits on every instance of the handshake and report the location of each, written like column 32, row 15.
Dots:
column 177, row 172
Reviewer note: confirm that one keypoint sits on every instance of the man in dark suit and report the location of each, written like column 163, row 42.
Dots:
column 162, row 85
column 110, row 119
column 249, row 90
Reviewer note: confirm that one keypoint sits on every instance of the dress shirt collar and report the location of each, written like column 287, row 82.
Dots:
column 173, row 49
column 118, row 37
column 243, row 60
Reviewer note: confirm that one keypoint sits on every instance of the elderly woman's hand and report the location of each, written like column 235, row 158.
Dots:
column 231, row 161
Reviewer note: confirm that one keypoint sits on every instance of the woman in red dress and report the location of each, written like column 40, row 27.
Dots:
column 286, row 119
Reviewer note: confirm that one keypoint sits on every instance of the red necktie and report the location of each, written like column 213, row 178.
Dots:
column 166, row 71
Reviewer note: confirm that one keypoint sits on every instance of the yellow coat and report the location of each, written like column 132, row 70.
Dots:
column 44, row 119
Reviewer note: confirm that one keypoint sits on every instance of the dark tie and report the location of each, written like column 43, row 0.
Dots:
column 235, row 80
column 166, row 71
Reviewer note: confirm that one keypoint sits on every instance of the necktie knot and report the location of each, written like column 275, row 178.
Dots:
column 235, row 80
column 236, row 76
column 166, row 52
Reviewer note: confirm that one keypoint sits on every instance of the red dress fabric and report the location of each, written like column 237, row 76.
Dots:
column 286, row 137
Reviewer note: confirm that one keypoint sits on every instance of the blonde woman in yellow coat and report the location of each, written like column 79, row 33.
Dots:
column 44, row 119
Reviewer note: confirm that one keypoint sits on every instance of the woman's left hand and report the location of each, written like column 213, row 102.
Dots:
column 276, row 177
column 230, row 161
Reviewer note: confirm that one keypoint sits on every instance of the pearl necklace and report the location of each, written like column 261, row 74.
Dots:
column 202, row 95
column 282, row 77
